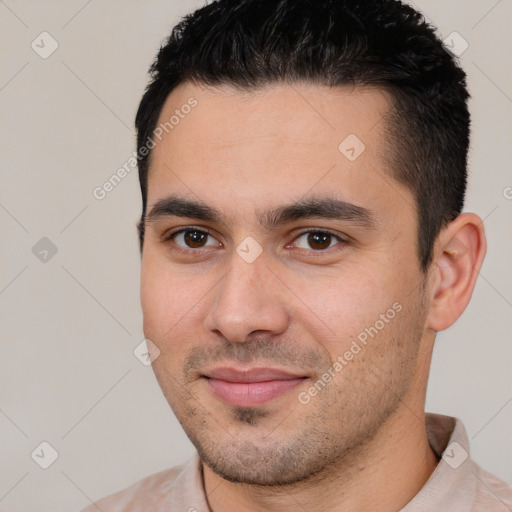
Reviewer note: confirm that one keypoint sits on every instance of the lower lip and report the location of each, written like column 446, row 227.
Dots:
column 251, row 394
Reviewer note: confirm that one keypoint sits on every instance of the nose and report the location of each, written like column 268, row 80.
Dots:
column 249, row 299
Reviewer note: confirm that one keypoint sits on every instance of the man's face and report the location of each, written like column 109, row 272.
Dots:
column 289, row 310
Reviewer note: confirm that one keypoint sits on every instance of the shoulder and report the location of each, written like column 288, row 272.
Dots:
column 491, row 493
column 457, row 484
column 154, row 492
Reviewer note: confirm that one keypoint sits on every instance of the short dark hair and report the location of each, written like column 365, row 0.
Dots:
column 384, row 43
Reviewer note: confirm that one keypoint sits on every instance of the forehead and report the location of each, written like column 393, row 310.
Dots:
column 240, row 149
column 305, row 113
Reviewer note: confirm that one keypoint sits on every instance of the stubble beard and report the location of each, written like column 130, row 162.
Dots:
column 249, row 446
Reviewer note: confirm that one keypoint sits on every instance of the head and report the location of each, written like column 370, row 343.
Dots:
column 318, row 158
column 369, row 43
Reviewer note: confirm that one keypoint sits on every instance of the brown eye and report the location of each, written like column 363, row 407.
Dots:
column 192, row 239
column 317, row 240
column 195, row 239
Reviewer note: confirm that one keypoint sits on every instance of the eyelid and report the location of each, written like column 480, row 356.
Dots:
column 169, row 234
column 321, row 230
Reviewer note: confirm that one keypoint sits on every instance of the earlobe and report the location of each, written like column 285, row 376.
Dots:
column 458, row 257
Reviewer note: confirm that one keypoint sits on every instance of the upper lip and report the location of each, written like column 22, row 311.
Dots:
column 250, row 375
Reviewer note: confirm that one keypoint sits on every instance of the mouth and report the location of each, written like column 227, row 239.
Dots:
column 252, row 387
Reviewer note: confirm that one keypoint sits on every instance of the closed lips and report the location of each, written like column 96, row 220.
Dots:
column 252, row 375
column 251, row 388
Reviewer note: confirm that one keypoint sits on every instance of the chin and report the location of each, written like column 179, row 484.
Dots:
column 270, row 464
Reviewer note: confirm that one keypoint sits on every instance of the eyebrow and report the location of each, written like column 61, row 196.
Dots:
column 313, row 207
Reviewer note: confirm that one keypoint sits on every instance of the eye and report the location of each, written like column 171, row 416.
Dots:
column 192, row 238
column 317, row 240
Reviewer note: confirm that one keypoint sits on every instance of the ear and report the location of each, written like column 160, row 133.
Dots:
column 458, row 255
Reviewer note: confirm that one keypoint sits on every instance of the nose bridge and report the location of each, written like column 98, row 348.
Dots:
column 246, row 300
column 240, row 282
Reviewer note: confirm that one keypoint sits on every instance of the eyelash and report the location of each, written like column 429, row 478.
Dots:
column 170, row 237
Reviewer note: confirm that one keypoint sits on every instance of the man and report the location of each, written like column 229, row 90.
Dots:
column 303, row 170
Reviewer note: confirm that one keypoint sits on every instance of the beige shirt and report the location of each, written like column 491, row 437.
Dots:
column 456, row 485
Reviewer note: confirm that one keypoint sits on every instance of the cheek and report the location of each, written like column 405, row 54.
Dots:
column 343, row 301
column 154, row 296
column 171, row 299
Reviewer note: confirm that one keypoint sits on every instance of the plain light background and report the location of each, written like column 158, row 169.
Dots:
column 69, row 325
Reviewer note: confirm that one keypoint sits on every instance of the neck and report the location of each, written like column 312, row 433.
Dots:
column 384, row 474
